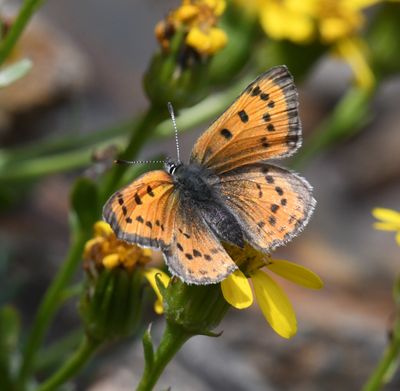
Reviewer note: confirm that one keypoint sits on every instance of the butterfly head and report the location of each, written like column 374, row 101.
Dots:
column 171, row 165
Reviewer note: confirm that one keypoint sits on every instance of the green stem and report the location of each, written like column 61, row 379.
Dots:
column 172, row 340
column 72, row 366
column 141, row 132
column 49, row 305
column 389, row 361
column 24, row 15
column 12, row 156
column 53, row 356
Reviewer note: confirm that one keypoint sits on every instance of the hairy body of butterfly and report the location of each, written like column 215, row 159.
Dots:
column 228, row 192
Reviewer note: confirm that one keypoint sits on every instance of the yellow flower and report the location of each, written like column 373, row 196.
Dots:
column 104, row 250
column 197, row 19
column 389, row 221
column 335, row 23
column 274, row 303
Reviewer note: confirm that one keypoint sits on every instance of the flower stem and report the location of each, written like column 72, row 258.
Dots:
column 76, row 362
column 49, row 305
column 141, row 132
column 27, row 10
column 389, row 361
column 172, row 340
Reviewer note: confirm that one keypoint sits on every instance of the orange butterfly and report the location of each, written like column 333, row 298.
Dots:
column 227, row 192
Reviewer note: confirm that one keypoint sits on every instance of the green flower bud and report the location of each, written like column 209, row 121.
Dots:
column 196, row 309
column 111, row 303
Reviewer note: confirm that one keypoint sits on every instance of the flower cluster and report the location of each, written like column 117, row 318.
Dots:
column 334, row 23
column 197, row 20
column 104, row 250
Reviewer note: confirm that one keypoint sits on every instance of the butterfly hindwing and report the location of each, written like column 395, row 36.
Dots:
column 263, row 123
column 196, row 255
column 271, row 203
column 144, row 211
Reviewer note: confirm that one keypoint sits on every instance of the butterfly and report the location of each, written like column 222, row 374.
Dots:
column 228, row 192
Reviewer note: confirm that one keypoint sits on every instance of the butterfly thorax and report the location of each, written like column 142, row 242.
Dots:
column 194, row 181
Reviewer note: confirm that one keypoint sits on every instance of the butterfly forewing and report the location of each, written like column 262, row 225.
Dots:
column 263, row 123
column 144, row 211
column 196, row 254
column 271, row 203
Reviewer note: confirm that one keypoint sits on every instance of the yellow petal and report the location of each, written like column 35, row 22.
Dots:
column 89, row 245
column 150, row 275
column 237, row 291
column 353, row 51
column 296, row 273
column 387, row 215
column 101, row 228
column 218, row 40
column 279, row 23
column 386, row 226
column 111, row 261
column 274, row 304
column 398, row 238
column 206, row 43
column 218, row 6
column 334, row 28
column 186, row 12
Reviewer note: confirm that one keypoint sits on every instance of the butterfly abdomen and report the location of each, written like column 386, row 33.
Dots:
column 197, row 187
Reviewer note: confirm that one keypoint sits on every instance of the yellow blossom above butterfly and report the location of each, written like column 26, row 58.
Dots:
column 274, row 303
column 335, row 23
column 197, row 19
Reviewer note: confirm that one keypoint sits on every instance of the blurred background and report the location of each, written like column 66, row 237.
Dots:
column 89, row 59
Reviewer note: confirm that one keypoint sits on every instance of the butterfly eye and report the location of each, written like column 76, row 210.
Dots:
column 172, row 168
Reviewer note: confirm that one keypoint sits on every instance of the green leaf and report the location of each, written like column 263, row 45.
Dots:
column 9, row 334
column 148, row 349
column 14, row 72
column 85, row 202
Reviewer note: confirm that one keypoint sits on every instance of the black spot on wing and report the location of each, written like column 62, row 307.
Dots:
column 266, row 117
column 196, row 253
column 270, row 128
column 226, row 133
column 150, row 191
column 138, row 199
column 274, row 208
column 256, row 90
column 243, row 116
column 272, row 220
column 269, row 179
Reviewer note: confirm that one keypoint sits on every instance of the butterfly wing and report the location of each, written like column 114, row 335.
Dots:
column 196, row 255
column 144, row 211
column 263, row 123
column 272, row 204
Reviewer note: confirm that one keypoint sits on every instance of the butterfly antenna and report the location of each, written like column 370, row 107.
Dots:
column 121, row 161
column 172, row 114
